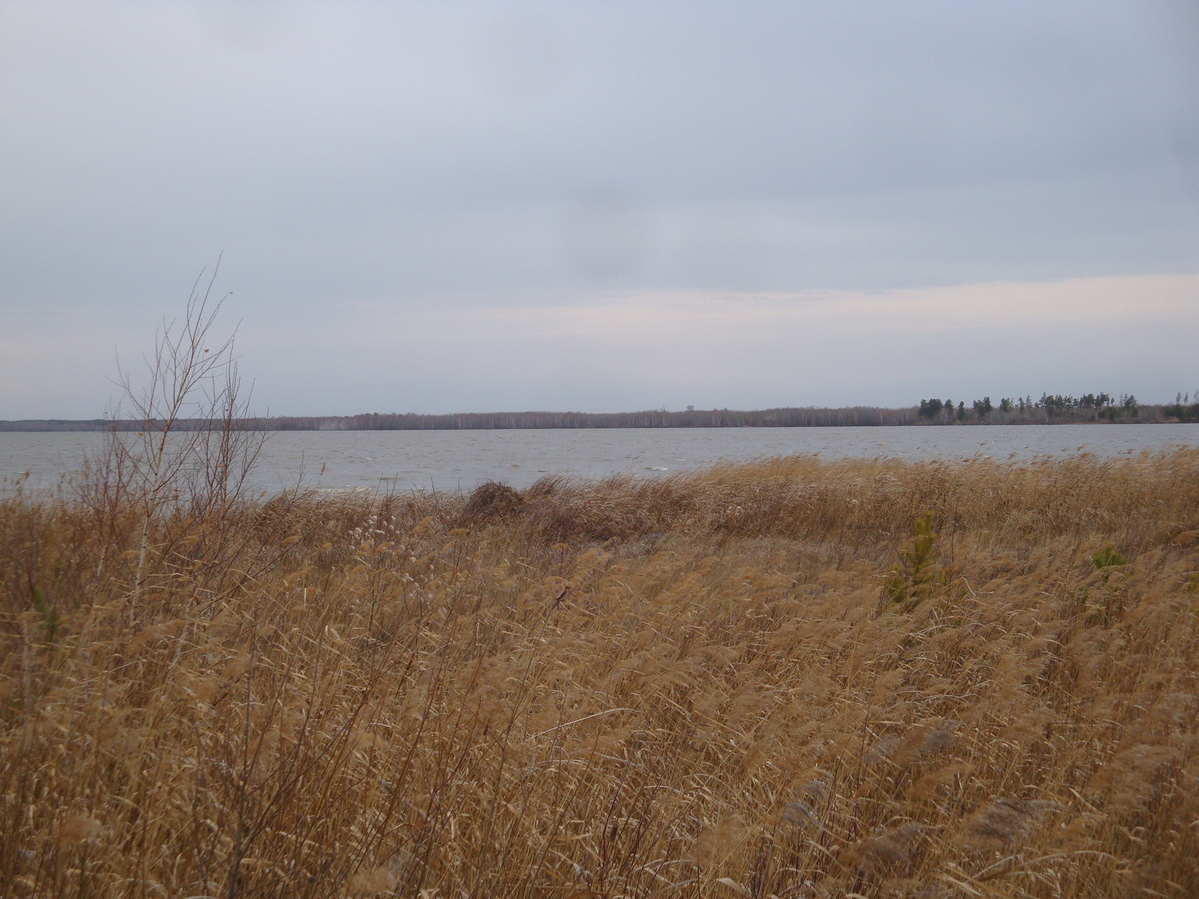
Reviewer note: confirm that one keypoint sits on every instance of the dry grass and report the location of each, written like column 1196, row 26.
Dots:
column 750, row 681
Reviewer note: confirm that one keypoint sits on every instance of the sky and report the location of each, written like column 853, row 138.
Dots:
column 603, row 206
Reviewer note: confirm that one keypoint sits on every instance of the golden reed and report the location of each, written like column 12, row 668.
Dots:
column 793, row 678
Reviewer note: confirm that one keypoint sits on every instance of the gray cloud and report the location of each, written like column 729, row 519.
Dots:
column 430, row 156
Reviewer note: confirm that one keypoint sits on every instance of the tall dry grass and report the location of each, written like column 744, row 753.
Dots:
column 792, row 678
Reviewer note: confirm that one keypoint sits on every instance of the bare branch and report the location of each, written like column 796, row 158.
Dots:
column 192, row 455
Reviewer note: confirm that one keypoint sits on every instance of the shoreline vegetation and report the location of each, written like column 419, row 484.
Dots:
column 790, row 678
column 1049, row 409
column 787, row 678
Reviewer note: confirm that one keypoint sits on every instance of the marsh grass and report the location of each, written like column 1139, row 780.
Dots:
column 702, row 685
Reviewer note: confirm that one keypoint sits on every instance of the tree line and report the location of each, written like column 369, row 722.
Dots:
column 861, row 416
column 1049, row 409
column 1060, row 408
column 1182, row 408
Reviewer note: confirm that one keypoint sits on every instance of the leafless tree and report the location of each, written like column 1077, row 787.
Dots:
column 183, row 453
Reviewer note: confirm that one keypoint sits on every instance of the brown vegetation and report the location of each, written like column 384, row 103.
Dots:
column 792, row 678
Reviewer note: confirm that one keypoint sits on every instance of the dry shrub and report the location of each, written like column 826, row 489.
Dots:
column 690, row 686
column 491, row 501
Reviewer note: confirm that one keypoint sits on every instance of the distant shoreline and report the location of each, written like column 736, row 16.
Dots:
column 855, row 416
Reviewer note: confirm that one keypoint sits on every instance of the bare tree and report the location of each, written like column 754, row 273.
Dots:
column 184, row 455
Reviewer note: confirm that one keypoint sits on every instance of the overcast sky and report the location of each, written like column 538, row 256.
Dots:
column 606, row 206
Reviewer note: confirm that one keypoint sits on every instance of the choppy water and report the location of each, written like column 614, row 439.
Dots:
column 403, row 461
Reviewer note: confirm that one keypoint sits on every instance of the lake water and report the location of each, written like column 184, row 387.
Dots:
column 450, row 461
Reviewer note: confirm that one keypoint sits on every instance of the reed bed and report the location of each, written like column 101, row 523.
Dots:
column 792, row 678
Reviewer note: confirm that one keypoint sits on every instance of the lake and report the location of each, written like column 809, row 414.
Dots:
column 450, row 461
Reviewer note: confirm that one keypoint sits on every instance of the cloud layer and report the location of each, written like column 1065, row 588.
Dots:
column 452, row 206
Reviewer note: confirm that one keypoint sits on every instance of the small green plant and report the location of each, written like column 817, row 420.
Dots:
column 917, row 572
column 49, row 618
column 1107, row 604
column 1108, row 558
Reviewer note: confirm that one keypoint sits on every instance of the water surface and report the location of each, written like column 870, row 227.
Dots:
column 460, row 460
